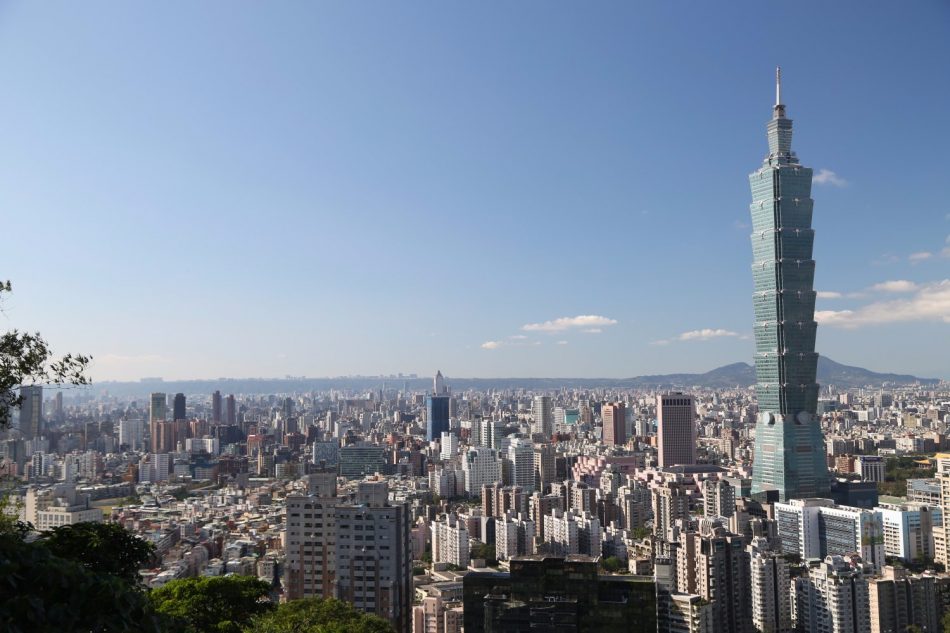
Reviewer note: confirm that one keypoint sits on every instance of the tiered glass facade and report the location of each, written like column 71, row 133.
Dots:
column 789, row 446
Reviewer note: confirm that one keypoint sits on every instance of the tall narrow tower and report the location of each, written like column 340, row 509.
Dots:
column 789, row 446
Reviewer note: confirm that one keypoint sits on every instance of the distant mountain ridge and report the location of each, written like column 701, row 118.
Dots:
column 728, row 376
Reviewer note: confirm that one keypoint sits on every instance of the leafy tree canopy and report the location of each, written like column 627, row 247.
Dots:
column 42, row 592
column 313, row 615
column 107, row 548
column 218, row 604
column 25, row 359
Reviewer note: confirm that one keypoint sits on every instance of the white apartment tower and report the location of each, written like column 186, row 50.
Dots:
column 542, row 414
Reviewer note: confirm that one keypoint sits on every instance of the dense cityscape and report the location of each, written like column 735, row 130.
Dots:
column 792, row 494
column 784, row 507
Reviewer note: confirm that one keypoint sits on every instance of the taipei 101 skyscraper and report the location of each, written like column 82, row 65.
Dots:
column 789, row 446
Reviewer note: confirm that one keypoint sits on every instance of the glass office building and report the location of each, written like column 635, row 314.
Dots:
column 437, row 417
column 789, row 446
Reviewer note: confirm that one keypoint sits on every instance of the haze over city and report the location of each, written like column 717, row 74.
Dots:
column 250, row 189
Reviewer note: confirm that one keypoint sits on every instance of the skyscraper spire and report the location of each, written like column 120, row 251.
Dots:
column 778, row 85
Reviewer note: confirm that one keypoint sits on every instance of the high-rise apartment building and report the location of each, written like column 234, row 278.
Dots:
column 373, row 556
column 450, row 541
column 719, row 498
column 789, row 455
column 311, row 538
column 31, row 411
column 542, row 414
column 771, row 605
column 833, row 598
column 521, row 456
column 615, row 424
column 900, row 602
column 670, row 502
column 676, row 429
column 480, row 466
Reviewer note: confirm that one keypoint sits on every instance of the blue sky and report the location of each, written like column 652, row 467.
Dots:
column 195, row 190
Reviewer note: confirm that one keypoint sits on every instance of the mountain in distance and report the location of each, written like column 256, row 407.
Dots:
column 740, row 375
column 743, row 375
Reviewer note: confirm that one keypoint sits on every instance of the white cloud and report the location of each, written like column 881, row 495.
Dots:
column 705, row 334
column 491, row 344
column 565, row 323
column 919, row 257
column 898, row 285
column 662, row 341
column 828, row 177
column 517, row 337
column 562, row 343
column 592, row 330
column 929, row 302
column 829, row 294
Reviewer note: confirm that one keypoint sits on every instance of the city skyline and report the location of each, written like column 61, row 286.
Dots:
column 309, row 205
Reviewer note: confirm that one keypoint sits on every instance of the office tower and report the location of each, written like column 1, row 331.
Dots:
column 899, row 602
column 909, row 529
column 156, row 414
column 230, row 410
column 31, row 411
column 438, row 385
column 615, row 424
column 545, row 466
column 481, row 466
column 514, row 536
column 719, row 498
column 676, row 429
column 359, row 460
column 521, row 456
column 373, row 555
column 542, row 413
column 311, row 539
column 450, row 541
column 545, row 593
column 833, row 598
column 178, row 408
column 816, row 528
column 449, row 445
column 670, row 502
column 58, row 406
column 789, row 455
column 870, row 467
column 771, row 606
column 216, row 407
column 437, row 416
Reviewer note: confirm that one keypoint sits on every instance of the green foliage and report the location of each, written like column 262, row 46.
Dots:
column 484, row 550
column 27, row 359
column 898, row 470
column 612, row 564
column 640, row 533
column 313, row 615
column 106, row 548
column 220, row 604
column 42, row 592
column 945, row 622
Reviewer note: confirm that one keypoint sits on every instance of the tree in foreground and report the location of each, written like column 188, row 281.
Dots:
column 218, row 604
column 43, row 592
column 314, row 615
column 26, row 358
column 106, row 548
